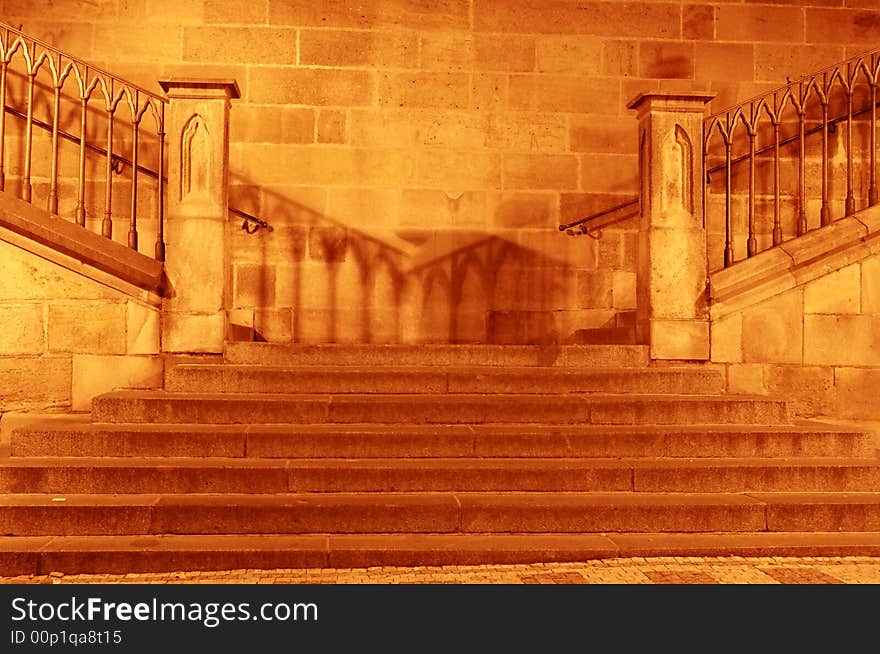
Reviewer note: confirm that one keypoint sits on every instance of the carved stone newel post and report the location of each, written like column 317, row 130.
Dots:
column 672, row 315
column 197, row 252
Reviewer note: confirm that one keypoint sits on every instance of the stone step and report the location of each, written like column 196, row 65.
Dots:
column 235, row 378
column 172, row 475
column 360, row 513
column 603, row 336
column 581, row 356
column 226, row 408
column 76, row 438
column 41, row 555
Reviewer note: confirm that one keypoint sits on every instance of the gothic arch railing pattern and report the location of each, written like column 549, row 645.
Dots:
column 34, row 72
column 788, row 115
column 766, row 178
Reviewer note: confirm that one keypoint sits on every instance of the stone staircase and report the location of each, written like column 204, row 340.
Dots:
column 361, row 455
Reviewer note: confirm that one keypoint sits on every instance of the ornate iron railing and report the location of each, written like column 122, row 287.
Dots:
column 786, row 116
column 35, row 74
column 781, row 117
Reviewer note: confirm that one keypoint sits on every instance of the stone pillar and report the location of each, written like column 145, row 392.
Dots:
column 196, row 248
column 672, row 314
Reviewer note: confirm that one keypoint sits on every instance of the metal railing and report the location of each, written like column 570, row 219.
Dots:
column 582, row 225
column 42, row 68
column 768, row 117
column 77, row 90
column 765, row 118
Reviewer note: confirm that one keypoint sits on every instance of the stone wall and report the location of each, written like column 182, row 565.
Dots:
column 803, row 321
column 415, row 157
column 69, row 335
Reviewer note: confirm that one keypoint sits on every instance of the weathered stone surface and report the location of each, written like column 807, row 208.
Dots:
column 837, row 292
column 679, row 339
column 273, row 325
column 747, row 378
column 28, row 277
column 328, row 243
column 94, row 375
column 254, row 285
column 810, row 388
column 773, row 331
column 190, row 332
column 871, row 286
column 594, row 290
column 856, row 390
column 89, row 328
column 142, row 326
column 198, row 122
column 41, row 381
column 22, row 329
column 623, row 290
column 842, row 340
column 726, row 339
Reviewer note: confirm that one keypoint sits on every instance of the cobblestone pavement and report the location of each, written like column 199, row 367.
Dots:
column 664, row 570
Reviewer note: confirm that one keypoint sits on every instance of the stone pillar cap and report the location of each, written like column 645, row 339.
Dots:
column 691, row 98
column 200, row 87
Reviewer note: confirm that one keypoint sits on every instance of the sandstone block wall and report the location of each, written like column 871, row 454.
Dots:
column 67, row 338
column 414, row 157
column 813, row 336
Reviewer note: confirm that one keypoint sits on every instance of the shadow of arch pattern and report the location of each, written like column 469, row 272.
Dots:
column 317, row 279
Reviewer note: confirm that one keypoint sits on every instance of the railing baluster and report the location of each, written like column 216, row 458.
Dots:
column 132, row 226
column 107, row 223
column 160, row 231
column 872, row 188
column 752, row 246
column 802, row 171
column 777, row 218
column 728, row 231
column 81, row 184
column 704, row 177
column 825, row 214
column 31, row 55
column 850, row 208
column 28, row 139
column 53, row 174
column 3, row 67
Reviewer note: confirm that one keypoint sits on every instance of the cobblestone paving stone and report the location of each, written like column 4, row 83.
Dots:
column 662, row 570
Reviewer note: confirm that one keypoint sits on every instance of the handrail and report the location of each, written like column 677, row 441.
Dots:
column 764, row 113
column 832, row 129
column 119, row 162
column 582, row 221
column 29, row 57
column 251, row 223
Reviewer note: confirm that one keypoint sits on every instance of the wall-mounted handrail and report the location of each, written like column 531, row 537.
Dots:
column 582, row 222
column 250, row 223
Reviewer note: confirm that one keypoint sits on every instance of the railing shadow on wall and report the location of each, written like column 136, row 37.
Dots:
column 90, row 148
column 317, row 278
column 462, row 287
